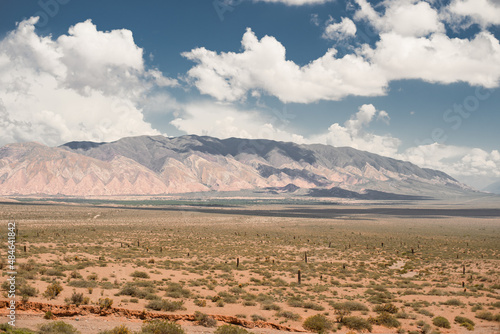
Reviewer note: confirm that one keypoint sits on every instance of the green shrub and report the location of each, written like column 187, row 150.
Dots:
column 175, row 290
column 349, row 305
column 5, row 285
column 385, row 319
column 313, row 306
column 5, row 327
column 27, row 290
column 288, row 315
column 105, row 303
column 8, row 329
column 230, row 329
column 436, row 292
column 165, row 305
column 237, row 290
column 264, row 298
column 273, row 307
column 257, row 317
column 318, row 323
column 140, row 274
column 117, row 330
column 341, row 313
column 378, row 295
column 204, row 320
column 129, row 290
column 76, row 299
column 172, row 306
column 92, row 277
column 228, row 298
column 53, row 290
column 467, row 326
column 156, row 305
column 82, row 284
column 48, row 315
column 485, row 315
column 426, row 329
column 389, row 308
column 295, row 301
column 249, row 303
column 54, row 272
column 151, row 296
column 57, row 327
column 75, row 274
column 402, row 315
column 161, row 327
column 476, row 307
column 357, row 323
column 441, row 322
column 426, row 312
column 132, row 289
column 462, row 320
column 142, row 283
column 200, row 302
column 465, row 322
column 453, row 302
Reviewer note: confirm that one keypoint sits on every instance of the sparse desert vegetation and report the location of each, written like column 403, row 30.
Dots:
column 358, row 272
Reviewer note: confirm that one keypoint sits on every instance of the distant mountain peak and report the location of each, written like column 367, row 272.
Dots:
column 493, row 188
column 83, row 145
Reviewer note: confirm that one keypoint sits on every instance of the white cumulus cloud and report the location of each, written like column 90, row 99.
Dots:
column 340, row 31
column 224, row 121
column 458, row 161
column 402, row 17
column 296, row 2
column 439, row 58
column 354, row 133
column 86, row 85
column 411, row 44
column 483, row 12
column 262, row 66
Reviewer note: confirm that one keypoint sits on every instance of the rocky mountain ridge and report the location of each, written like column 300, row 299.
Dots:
column 155, row 165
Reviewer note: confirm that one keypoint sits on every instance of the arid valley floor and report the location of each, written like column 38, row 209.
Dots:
column 391, row 268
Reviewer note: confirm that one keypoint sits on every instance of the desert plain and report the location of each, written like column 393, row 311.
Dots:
column 364, row 267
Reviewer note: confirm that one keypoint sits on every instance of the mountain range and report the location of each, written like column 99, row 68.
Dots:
column 156, row 165
column 493, row 188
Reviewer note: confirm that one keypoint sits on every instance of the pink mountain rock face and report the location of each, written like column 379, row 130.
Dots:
column 34, row 169
column 159, row 165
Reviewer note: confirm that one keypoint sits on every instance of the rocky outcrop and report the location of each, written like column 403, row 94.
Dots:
column 72, row 310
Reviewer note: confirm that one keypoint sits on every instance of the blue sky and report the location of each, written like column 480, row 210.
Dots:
column 414, row 80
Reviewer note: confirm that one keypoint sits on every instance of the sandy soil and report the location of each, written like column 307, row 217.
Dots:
column 352, row 257
column 90, row 324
